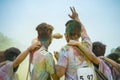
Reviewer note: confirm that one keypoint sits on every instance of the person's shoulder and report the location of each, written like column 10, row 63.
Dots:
column 84, row 43
column 6, row 63
column 87, row 44
column 48, row 54
column 65, row 48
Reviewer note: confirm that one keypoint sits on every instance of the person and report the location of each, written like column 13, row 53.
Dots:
column 98, row 48
column 71, row 63
column 115, row 55
column 30, row 67
column 13, row 57
column 76, row 63
column 117, row 49
column 103, row 71
column 2, row 58
column 43, row 62
column 112, row 60
column 99, row 51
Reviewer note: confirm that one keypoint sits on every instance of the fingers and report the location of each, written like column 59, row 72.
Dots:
column 39, row 43
column 35, row 46
column 74, row 14
column 55, row 52
column 74, row 9
column 69, row 15
column 73, row 43
column 56, row 55
column 71, row 9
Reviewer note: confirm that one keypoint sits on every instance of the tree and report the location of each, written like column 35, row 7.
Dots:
column 5, row 42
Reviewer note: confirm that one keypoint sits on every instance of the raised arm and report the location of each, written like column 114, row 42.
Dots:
column 84, row 34
column 23, row 55
column 74, row 14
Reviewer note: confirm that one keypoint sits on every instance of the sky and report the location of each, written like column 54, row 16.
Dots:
column 19, row 18
column 101, row 18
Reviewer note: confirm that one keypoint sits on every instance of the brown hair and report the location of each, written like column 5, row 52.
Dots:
column 98, row 48
column 10, row 53
column 44, row 31
column 73, row 29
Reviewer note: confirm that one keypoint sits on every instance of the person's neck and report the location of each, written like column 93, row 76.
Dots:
column 45, row 45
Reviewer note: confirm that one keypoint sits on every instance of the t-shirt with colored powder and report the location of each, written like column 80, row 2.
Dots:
column 105, row 69
column 43, row 65
column 6, row 72
column 72, row 60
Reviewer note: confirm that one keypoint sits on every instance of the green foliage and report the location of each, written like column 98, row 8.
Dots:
column 5, row 42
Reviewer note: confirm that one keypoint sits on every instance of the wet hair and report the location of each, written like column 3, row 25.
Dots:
column 115, row 57
column 98, row 48
column 73, row 29
column 11, row 54
column 44, row 31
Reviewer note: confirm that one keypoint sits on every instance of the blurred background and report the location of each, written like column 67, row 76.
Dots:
column 19, row 18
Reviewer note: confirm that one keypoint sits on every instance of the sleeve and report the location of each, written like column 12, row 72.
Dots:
column 6, row 70
column 105, row 69
column 50, row 64
column 63, row 60
column 87, row 41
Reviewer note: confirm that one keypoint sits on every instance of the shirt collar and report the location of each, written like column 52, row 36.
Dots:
column 43, row 48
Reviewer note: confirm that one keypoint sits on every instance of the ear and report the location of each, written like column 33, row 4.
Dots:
column 67, row 38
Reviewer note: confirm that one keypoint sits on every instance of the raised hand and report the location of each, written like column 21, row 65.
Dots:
column 74, row 14
column 35, row 46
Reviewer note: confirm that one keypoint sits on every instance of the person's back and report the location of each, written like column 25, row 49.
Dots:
column 44, row 66
column 85, row 51
column 13, row 57
column 115, row 56
column 7, row 72
column 99, row 50
column 71, row 62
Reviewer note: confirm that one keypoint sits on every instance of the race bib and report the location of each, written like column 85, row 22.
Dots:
column 86, row 73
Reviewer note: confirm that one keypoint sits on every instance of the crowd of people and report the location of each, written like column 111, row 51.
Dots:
column 77, row 60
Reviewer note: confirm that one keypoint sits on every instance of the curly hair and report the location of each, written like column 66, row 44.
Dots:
column 44, row 31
